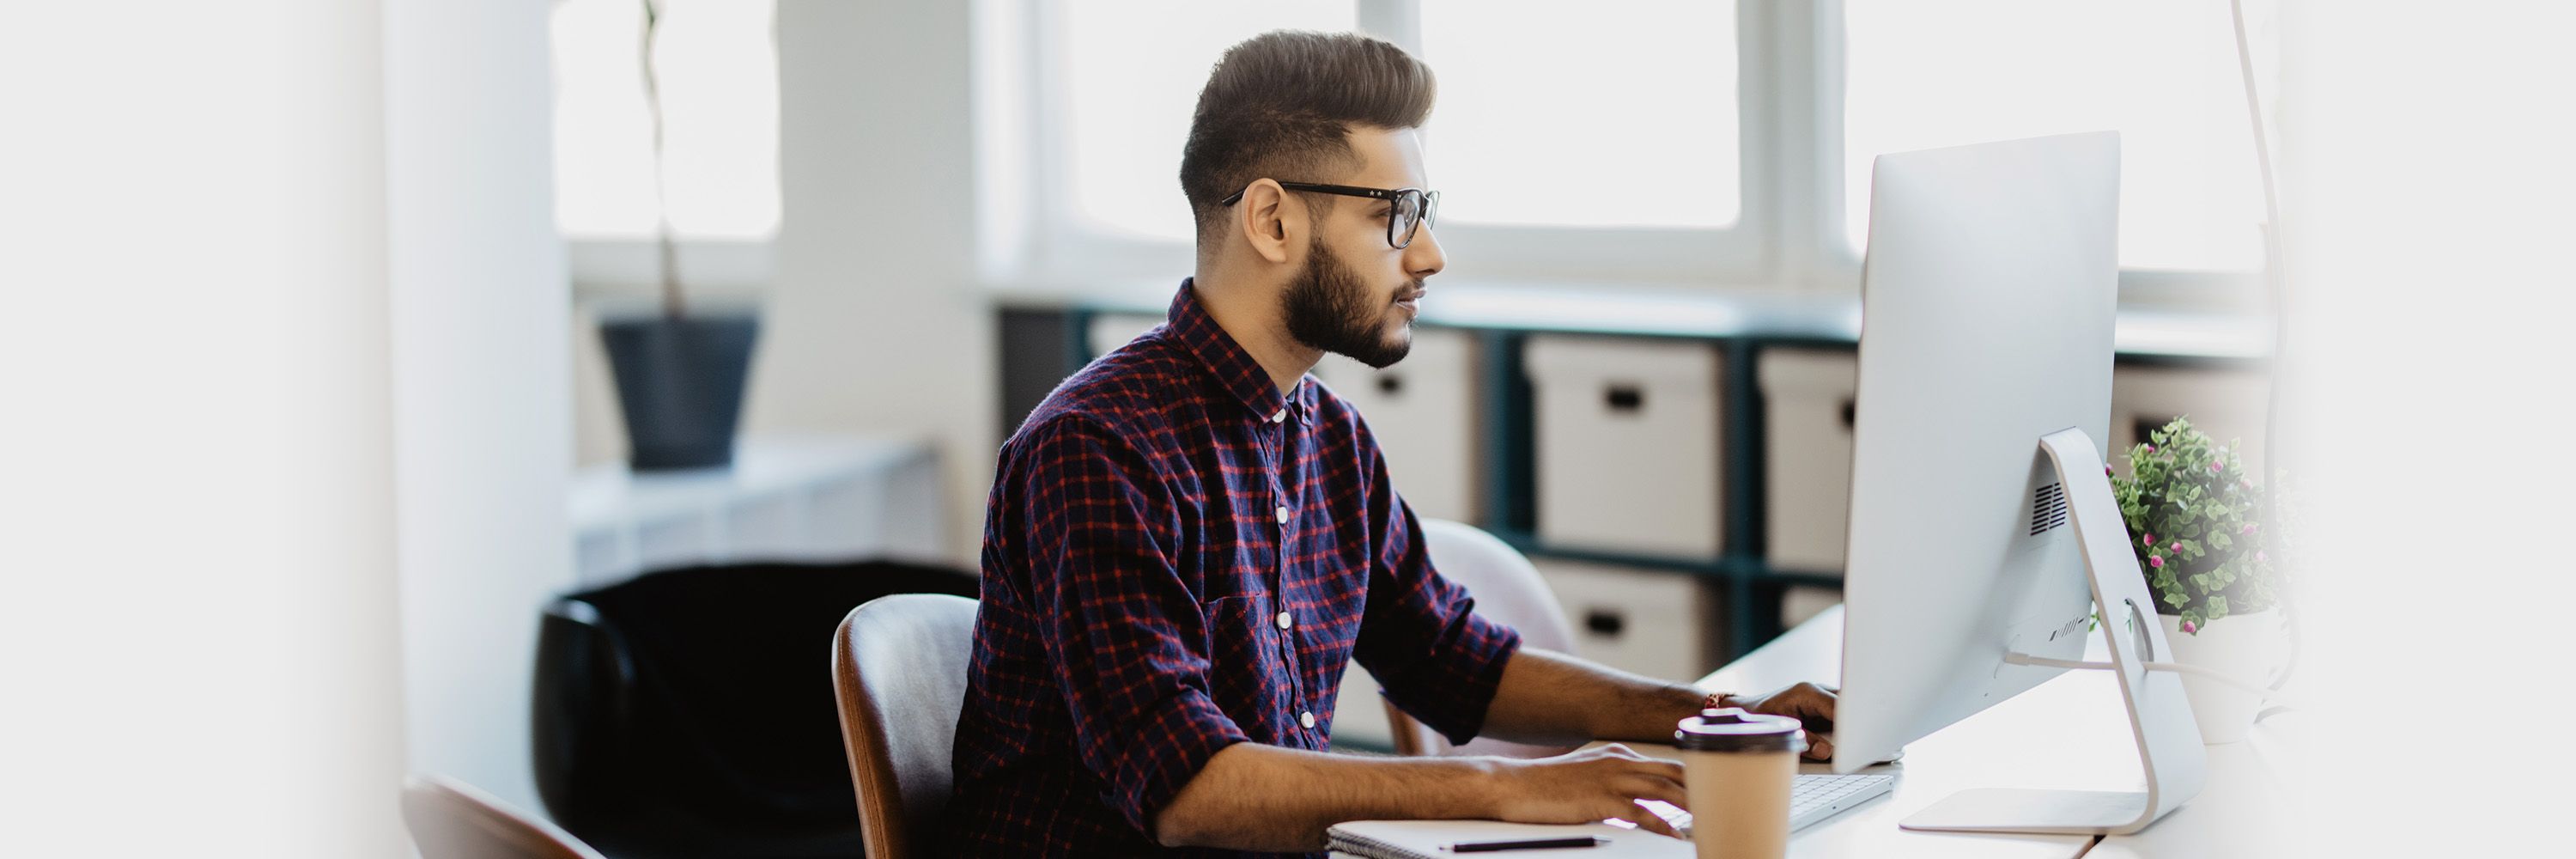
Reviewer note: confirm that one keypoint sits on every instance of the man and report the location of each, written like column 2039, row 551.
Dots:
column 1189, row 539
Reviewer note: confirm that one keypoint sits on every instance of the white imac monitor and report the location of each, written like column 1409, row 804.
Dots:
column 1982, row 522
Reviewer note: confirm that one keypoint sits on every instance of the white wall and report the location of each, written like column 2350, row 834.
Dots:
column 197, row 598
column 482, row 385
column 874, row 323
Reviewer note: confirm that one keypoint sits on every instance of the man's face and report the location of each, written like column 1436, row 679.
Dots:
column 1356, row 295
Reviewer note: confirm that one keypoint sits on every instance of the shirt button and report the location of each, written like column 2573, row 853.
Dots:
column 1283, row 515
column 1306, row 719
column 1284, row 621
column 1281, row 415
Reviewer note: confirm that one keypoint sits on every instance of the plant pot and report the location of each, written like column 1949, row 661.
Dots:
column 2245, row 646
column 680, row 384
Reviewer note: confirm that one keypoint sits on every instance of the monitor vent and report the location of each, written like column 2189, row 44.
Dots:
column 2047, row 508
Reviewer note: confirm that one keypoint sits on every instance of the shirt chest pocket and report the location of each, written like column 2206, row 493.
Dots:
column 1246, row 672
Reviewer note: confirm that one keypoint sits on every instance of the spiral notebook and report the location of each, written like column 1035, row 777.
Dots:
column 1425, row 839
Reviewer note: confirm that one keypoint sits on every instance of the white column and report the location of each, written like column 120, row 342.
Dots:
column 481, row 376
column 874, row 323
column 197, row 596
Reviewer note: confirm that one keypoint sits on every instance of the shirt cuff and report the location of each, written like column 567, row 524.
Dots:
column 1471, row 670
column 1166, row 748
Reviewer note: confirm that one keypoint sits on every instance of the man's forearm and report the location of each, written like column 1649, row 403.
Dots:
column 1550, row 698
column 1251, row 796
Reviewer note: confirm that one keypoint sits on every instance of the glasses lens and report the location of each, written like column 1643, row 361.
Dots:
column 1408, row 215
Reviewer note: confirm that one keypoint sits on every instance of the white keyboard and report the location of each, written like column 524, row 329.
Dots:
column 1813, row 798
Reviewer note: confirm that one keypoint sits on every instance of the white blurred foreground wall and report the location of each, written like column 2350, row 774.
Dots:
column 2429, row 169
column 198, row 633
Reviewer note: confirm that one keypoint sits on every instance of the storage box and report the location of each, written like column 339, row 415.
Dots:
column 2226, row 404
column 1659, row 623
column 1627, row 444
column 1423, row 412
column 1808, row 405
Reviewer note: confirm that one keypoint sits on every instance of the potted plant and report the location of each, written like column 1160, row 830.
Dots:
column 680, row 372
column 2193, row 512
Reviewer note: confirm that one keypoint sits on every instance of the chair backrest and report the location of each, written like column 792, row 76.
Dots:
column 1509, row 591
column 899, row 668
column 450, row 819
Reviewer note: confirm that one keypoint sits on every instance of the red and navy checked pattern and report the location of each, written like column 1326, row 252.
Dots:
column 1135, row 566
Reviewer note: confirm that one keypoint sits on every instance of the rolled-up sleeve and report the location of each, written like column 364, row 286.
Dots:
column 1421, row 638
column 1129, row 638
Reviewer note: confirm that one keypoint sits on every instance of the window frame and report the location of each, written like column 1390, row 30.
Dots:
column 1788, row 235
column 1838, row 263
column 1745, row 253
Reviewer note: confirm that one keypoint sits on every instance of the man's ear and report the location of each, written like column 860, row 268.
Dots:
column 1267, row 222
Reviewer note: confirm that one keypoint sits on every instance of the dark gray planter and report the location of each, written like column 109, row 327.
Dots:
column 680, row 383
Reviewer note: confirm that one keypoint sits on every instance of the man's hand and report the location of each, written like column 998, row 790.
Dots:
column 1588, row 786
column 1808, row 703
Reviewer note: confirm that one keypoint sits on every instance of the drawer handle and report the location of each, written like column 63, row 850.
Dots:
column 1851, row 411
column 1624, row 398
column 1390, row 384
column 1604, row 622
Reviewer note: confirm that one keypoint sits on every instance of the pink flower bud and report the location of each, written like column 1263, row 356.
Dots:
column 2214, row 465
column 2248, row 529
column 2260, row 555
column 2151, row 537
column 2150, row 448
column 2190, row 628
column 2157, row 561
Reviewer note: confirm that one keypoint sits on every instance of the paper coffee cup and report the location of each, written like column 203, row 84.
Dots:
column 1739, row 768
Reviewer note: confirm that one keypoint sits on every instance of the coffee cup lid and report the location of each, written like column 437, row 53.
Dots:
column 1731, row 729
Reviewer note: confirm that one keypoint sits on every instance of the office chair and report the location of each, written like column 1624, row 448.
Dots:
column 680, row 714
column 899, row 669
column 450, row 819
column 1509, row 591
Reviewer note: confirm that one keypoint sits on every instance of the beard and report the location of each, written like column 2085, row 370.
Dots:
column 1327, row 308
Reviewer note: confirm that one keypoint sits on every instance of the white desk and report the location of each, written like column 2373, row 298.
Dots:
column 1987, row 751
column 2069, row 733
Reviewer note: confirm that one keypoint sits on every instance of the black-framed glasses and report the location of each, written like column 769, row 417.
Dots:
column 1413, row 207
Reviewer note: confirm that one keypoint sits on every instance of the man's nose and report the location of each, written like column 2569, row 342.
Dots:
column 1423, row 257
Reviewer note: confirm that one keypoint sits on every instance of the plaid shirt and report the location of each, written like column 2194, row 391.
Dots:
column 1176, row 559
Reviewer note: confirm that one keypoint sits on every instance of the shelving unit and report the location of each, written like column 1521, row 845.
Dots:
column 1743, row 325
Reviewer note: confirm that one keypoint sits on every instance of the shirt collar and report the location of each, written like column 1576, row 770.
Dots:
column 1233, row 367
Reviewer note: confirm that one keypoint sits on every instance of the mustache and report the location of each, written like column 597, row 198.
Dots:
column 1411, row 291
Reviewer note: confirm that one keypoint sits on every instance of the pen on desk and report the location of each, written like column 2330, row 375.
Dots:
column 1539, row 844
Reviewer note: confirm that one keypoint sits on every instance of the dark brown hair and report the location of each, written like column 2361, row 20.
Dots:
column 1279, row 105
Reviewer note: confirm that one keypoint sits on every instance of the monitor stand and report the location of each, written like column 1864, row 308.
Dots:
column 2168, row 740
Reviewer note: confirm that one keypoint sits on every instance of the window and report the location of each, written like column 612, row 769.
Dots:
column 1643, row 142
column 1128, row 78
column 719, row 80
column 1921, row 75
column 1564, row 117
column 1567, row 115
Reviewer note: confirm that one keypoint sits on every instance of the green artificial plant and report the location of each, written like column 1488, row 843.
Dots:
column 2193, row 512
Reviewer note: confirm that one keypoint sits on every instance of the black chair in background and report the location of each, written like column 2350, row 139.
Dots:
column 690, row 713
